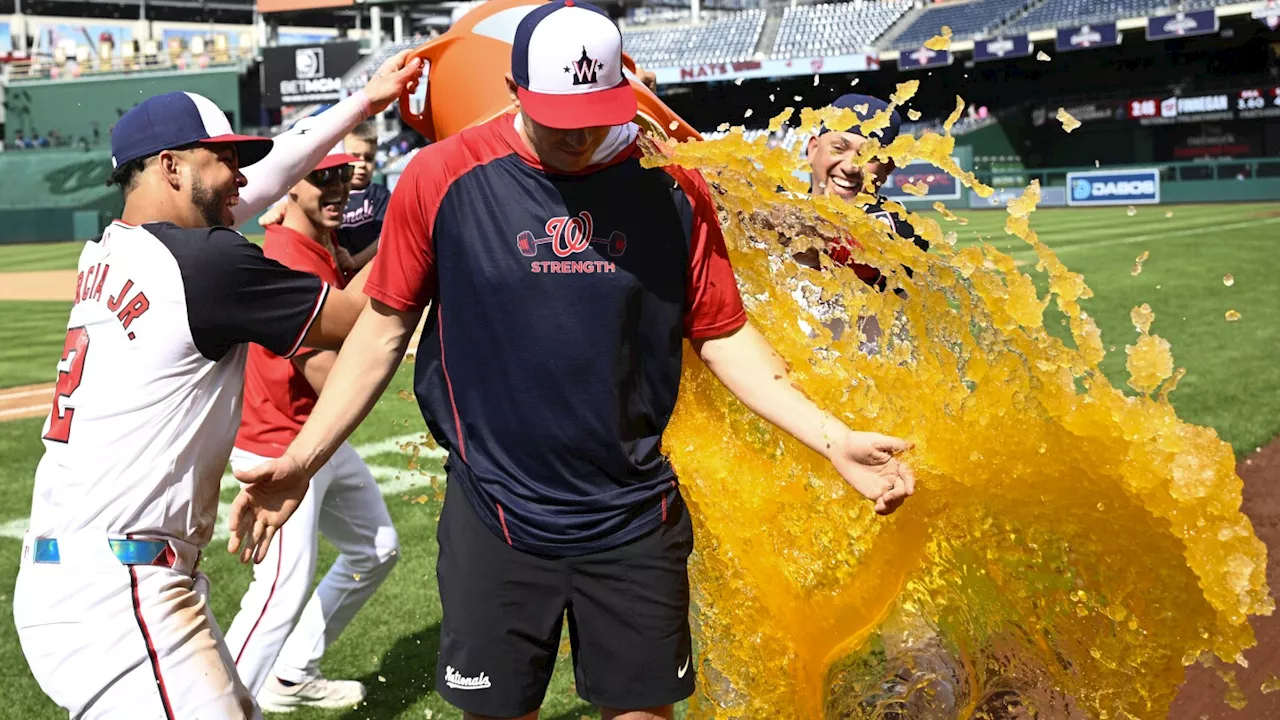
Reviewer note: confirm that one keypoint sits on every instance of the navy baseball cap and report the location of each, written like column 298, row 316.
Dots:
column 174, row 120
column 566, row 59
column 854, row 102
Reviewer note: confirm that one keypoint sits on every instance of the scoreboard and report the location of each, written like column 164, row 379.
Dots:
column 1244, row 104
column 1257, row 99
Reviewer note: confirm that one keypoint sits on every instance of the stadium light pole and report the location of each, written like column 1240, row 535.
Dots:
column 22, row 23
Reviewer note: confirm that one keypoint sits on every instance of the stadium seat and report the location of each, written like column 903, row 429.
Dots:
column 1065, row 13
column 730, row 37
column 966, row 20
column 834, row 28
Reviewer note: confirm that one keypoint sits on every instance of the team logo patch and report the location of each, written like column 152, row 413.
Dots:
column 570, row 236
column 567, row 237
column 458, row 681
column 584, row 69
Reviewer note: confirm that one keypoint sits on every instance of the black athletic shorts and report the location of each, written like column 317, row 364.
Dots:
column 628, row 611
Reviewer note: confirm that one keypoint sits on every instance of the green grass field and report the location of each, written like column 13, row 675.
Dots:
column 1231, row 384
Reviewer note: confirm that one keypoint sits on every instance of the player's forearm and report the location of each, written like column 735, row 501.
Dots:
column 754, row 372
column 296, row 153
column 357, row 283
column 315, row 367
column 357, row 379
column 362, row 258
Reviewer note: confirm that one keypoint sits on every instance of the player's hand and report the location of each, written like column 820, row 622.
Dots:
column 274, row 214
column 391, row 80
column 272, row 492
column 648, row 77
column 868, row 462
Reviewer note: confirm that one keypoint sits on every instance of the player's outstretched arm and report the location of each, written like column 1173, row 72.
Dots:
column 297, row 151
column 754, row 372
column 359, row 376
column 338, row 315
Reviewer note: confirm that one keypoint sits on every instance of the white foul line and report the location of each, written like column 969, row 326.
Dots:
column 1152, row 236
column 27, row 409
column 5, row 395
column 391, row 481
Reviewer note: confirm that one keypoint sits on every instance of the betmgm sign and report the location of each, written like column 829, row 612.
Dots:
column 1113, row 187
column 300, row 75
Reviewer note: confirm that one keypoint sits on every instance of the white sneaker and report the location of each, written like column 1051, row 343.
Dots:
column 275, row 696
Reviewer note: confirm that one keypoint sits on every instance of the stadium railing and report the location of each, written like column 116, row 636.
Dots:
column 108, row 63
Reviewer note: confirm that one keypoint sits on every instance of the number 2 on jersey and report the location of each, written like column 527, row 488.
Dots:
column 75, row 349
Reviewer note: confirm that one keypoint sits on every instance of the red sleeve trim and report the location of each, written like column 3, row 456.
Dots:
column 724, row 327
column 390, row 299
column 306, row 327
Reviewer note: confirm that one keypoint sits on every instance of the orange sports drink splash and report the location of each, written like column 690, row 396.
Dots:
column 1071, row 547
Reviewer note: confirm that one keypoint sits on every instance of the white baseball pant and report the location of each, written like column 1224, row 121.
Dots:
column 107, row 640
column 278, row 631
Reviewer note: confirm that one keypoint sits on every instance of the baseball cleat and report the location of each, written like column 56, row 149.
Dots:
column 275, row 696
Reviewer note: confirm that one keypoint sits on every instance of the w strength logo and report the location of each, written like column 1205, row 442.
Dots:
column 584, row 69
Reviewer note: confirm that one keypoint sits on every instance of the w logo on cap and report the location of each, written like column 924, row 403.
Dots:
column 558, row 91
column 584, row 69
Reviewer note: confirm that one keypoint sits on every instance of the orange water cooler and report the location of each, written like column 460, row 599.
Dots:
column 465, row 84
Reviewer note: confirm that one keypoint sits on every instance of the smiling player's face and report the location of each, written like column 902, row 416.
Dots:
column 835, row 170
column 215, row 181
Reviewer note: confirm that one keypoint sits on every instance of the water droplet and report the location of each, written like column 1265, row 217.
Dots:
column 1043, row 56
column 1228, row 280
column 747, row 114
column 738, row 81
column 1131, row 211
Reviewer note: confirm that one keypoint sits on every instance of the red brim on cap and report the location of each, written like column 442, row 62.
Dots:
column 615, row 106
column 335, row 160
column 249, row 148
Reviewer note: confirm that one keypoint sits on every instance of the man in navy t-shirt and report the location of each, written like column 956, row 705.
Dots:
column 563, row 279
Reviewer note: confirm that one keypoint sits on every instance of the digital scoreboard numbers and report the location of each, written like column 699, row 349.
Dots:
column 1252, row 99
column 1144, row 108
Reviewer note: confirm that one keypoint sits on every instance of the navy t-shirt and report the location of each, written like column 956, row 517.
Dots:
column 362, row 219
column 902, row 228
column 551, row 356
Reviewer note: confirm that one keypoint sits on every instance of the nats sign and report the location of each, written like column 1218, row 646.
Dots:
column 748, row 69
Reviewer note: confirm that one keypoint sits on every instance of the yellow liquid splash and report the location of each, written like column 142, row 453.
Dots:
column 1069, row 549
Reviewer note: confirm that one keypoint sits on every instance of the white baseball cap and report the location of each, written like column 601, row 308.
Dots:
column 566, row 60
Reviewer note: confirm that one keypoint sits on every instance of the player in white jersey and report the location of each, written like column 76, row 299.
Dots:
column 110, row 608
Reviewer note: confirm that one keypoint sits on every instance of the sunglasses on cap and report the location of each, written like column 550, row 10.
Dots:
column 327, row 176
